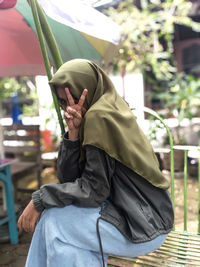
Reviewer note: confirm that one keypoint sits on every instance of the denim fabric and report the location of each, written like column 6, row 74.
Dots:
column 67, row 237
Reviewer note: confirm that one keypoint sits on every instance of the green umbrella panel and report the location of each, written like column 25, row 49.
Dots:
column 71, row 43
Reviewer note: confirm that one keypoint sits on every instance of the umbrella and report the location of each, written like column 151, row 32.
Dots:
column 75, row 32
column 20, row 53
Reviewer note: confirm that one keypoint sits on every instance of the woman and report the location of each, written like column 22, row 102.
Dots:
column 112, row 198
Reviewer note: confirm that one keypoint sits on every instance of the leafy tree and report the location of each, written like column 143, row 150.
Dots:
column 25, row 89
column 148, row 33
column 183, row 98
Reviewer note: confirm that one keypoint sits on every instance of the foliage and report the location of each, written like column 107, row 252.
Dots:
column 148, row 37
column 8, row 87
column 45, row 34
column 181, row 101
column 183, row 98
column 148, row 34
column 155, row 131
column 24, row 88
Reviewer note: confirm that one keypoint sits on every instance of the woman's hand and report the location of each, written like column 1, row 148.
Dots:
column 27, row 221
column 74, row 113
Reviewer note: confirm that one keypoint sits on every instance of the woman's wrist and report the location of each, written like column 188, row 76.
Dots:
column 73, row 134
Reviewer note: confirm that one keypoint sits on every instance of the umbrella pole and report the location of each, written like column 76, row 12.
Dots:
column 46, row 60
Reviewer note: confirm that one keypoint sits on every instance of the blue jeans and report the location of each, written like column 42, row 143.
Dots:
column 67, row 237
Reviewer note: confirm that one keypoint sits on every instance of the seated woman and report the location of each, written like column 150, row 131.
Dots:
column 112, row 197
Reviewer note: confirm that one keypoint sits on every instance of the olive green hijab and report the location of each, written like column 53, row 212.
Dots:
column 109, row 123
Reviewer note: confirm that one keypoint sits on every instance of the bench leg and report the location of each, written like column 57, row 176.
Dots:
column 10, row 207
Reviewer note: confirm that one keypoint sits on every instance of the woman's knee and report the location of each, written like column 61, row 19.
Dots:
column 46, row 221
column 49, row 219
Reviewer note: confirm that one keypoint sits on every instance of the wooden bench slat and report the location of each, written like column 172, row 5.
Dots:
column 183, row 241
column 15, row 127
column 120, row 262
column 152, row 260
column 20, row 149
column 173, row 261
column 183, row 234
column 170, row 260
column 21, row 167
column 177, row 250
column 21, row 138
column 180, row 247
column 178, row 254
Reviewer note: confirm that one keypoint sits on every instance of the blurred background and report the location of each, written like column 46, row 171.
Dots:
column 149, row 48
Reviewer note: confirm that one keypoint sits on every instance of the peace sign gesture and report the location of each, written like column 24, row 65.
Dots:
column 74, row 113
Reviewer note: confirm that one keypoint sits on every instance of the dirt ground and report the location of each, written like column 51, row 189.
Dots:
column 15, row 256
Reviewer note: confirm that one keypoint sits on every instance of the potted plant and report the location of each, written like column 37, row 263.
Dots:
column 182, row 104
column 18, row 91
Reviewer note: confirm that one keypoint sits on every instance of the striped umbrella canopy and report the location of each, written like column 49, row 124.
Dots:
column 80, row 32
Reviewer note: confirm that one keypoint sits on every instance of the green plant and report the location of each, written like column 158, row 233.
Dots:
column 24, row 88
column 48, row 120
column 184, row 96
column 181, row 101
column 148, row 34
column 45, row 34
column 155, row 129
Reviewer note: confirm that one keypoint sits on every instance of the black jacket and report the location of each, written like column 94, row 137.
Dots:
column 138, row 209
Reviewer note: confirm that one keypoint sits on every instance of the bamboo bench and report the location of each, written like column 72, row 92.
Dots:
column 181, row 248
column 22, row 142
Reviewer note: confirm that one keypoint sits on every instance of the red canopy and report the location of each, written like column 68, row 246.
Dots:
column 7, row 3
column 20, row 53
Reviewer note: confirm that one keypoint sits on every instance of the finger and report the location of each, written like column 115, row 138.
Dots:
column 82, row 98
column 33, row 224
column 69, row 97
column 32, row 227
column 23, row 224
column 74, row 112
column 68, row 116
column 19, row 223
column 26, row 225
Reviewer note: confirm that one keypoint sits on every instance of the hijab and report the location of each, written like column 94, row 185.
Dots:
column 109, row 123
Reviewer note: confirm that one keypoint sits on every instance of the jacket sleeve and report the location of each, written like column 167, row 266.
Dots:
column 68, row 160
column 89, row 190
